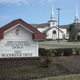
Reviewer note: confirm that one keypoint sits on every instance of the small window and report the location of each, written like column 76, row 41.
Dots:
column 54, row 32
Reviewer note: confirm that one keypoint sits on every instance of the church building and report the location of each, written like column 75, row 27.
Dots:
column 53, row 31
column 74, row 29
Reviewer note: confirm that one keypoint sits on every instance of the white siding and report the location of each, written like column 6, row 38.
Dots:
column 50, row 33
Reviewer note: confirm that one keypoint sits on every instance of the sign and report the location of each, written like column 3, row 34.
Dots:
column 18, row 42
column 19, row 39
column 17, row 48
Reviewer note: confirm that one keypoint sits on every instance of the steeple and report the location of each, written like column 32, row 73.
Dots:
column 52, row 13
column 76, row 17
column 52, row 22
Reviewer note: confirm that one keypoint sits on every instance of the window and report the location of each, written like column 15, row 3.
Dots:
column 54, row 32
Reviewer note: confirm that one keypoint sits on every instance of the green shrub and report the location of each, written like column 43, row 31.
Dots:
column 58, row 52
column 45, row 52
column 67, row 51
column 77, row 51
column 42, row 51
column 52, row 52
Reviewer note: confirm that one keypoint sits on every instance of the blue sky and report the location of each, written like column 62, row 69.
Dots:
column 37, row 11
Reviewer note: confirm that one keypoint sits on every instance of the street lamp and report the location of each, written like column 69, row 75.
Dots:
column 58, row 23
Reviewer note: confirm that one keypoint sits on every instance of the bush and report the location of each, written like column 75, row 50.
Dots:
column 52, row 52
column 67, row 51
column 45, row 52
column 77, row 51
column 58, row 52
column 42, row 51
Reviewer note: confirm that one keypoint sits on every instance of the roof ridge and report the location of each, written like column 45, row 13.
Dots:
column 9, row 23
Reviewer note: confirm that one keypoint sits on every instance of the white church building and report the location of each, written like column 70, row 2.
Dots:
column 51, row 30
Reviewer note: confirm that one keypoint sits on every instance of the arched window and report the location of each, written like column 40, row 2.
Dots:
column 54, row 32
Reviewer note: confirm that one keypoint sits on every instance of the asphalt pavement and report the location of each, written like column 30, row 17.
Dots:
column 61, row 44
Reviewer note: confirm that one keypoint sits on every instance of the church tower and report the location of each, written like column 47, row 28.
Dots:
column 52, row 22
column 76, row 17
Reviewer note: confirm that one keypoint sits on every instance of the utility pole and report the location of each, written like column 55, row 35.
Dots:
column 58, row 22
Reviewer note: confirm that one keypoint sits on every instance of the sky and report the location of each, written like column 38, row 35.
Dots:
column 38, row 11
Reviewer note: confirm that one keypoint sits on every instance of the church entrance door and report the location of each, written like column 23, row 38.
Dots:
column 54, row 36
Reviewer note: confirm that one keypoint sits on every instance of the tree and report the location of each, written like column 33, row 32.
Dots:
column 73, row 29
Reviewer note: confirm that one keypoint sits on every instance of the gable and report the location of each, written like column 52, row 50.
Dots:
column 52, row 28
column 18, row 32
column 36, row 34
column 18, row 26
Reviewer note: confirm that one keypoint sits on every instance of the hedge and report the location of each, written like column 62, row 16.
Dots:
column 59, row 51
column 67, row 52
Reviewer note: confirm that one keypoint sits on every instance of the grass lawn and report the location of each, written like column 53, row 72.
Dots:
column 60, row 66
column 63, row 77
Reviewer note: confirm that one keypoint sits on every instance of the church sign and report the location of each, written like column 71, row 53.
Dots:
column 19, row 39
column 17, row 49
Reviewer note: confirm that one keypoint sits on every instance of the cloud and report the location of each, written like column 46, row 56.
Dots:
column 18, row 2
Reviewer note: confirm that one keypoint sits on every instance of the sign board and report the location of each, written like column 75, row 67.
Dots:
column 18, row 42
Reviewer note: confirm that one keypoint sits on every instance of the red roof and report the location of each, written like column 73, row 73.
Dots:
column 36, row 34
